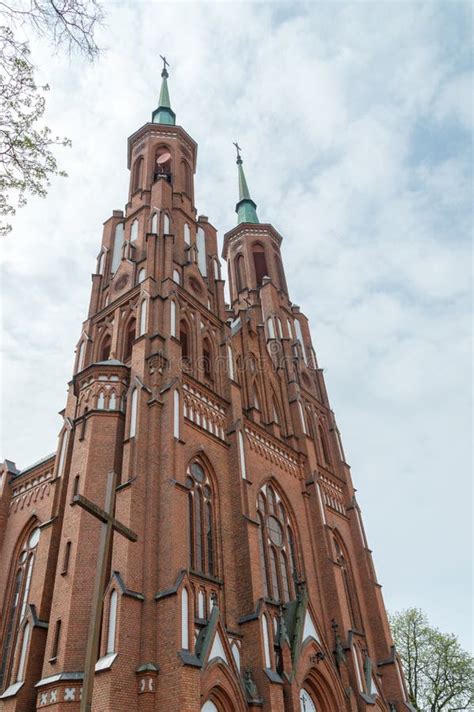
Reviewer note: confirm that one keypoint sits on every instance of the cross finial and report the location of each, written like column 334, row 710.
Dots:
column 239, row 158
column 164, row 72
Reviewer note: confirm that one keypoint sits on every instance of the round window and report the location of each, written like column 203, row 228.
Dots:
column 275, row 532
column 34, row 538
column 197, row 472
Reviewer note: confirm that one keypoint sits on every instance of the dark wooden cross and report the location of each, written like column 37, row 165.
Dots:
column 109, row 525
column 165, row 62
column 238, row 148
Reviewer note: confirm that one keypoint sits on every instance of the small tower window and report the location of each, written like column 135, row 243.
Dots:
column 143, row 316
column 188, row 188
column 101, row 263
column 133, row 413
column 57, row 637
column 105, row 348
column 270, row 328
column 176, row 413
column 166, row 224
column 137, row 174
column 118, row 244
column 141, row 275
column 187, row 234
column 101, row 401
column 134, row 231
column 173, row 318
column 184, row 619
column 260, row 264
column 240, row 275
column 130, row 335
column 184, row 339
column 154, row 223
column 176, row 276
column 207, row 360
column 112, row 623
column 280, row 273
column 201, row 246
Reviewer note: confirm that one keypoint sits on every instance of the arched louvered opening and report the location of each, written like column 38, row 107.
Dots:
column 207, row 360
column 137, row 174
column 260, row 263
column 185, row 340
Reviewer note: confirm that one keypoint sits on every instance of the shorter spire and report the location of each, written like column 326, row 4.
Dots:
column 164, row 113
column 246, row 209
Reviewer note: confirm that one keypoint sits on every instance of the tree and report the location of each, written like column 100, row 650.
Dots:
column 26, row 159
column 438, row 672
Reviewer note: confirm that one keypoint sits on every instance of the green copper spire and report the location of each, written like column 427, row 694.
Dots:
column 164, row 113
column 246, row 209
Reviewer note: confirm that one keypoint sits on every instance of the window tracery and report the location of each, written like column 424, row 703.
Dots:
column 201, row 520
column 17, row 606
column 278, row 558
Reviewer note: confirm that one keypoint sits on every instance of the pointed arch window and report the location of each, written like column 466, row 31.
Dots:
column 185, row 345
column 112, row 623
column 324, row 446
column 154, row 223
column 201, row 520
column 18, row 592
column 118, row 244
column 137, row 175
column 270, row 328
column 133, row 412
column 240, row 276
column 201, row 247
column 141, row 275
column 260, row 263
column 130, row 335
column 176, row 413
column 143, row 316
column 266, row 641
column 187, row 234
column 184, row 619
column 173, row 318
column 276, row 547
column 188, row 186
column 80, row 356
column 207, row 361
column 105, row 348
column 101, row 263
column 166, row 224
column 176, row 276
column 280, row 272
column 349, row 586
column 134, row 231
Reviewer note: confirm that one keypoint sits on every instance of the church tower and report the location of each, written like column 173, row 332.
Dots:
column 248, row 584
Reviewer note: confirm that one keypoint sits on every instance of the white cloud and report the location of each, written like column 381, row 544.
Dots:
column 352, row 118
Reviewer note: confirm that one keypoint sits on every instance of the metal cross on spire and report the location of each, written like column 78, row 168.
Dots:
column 164, row 72
column 239, row 158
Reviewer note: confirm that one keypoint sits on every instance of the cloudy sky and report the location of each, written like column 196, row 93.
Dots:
column 355, row 122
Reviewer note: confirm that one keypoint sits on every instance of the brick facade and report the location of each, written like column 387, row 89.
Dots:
column 251, row 585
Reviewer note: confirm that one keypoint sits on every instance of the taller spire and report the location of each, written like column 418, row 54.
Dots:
column 164, row 113
column 246, row 209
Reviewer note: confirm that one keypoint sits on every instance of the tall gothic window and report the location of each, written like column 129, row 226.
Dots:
column 16, row 606
column 187, row 179
column 278, row 558
column 201, row 520
column 260, row 263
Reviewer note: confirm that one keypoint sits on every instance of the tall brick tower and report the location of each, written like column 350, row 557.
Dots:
column 251, row 584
